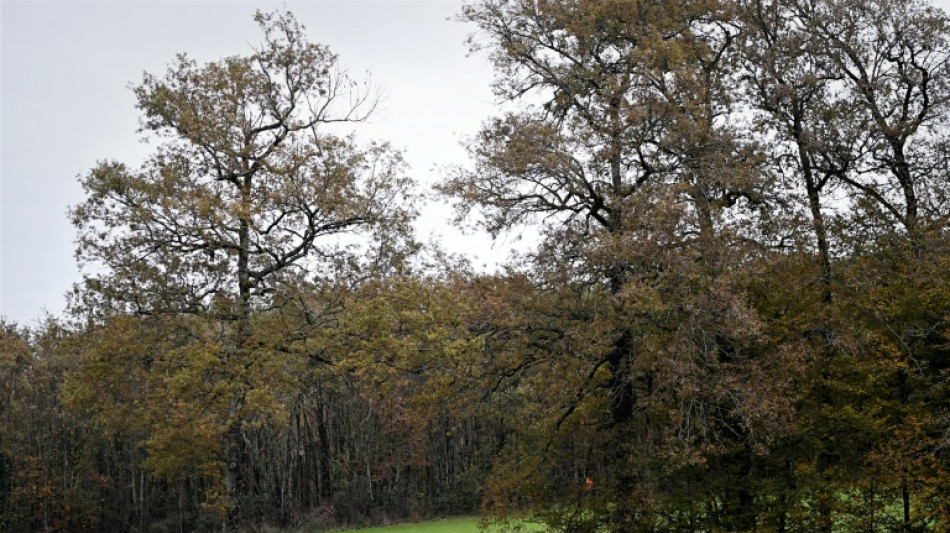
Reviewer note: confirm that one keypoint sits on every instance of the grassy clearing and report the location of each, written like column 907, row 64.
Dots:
column 452, row 525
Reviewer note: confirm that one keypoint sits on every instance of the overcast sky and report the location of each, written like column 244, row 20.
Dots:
column 65, row 69
column 64, row 77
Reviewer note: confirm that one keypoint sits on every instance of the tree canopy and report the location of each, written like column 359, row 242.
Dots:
column 736, row 316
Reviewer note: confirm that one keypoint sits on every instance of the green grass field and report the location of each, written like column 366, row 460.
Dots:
column 452, row 525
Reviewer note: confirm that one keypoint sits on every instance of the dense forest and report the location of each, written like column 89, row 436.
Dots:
column 736, row 316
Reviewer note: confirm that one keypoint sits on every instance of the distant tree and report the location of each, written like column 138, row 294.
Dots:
column 47, row 478
column 249, row 194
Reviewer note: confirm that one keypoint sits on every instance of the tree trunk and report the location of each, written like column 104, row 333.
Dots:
column 324, row 481
column 236, row 363
column 234, row 479
column 901, row 170
column 813, row 189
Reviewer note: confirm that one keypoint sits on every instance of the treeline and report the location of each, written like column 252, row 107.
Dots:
column 431, row 397
column 117, row 427
column 737, row 316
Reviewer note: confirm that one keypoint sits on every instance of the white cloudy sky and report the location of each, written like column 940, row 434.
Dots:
column 65, row 68
column 64, row 76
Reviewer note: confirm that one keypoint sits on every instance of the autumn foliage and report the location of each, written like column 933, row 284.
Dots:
column 736, row 316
